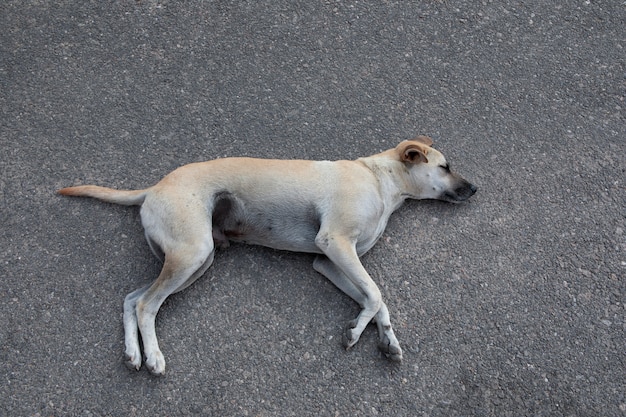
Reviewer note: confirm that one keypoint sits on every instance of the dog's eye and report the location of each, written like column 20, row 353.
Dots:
column 446, row 167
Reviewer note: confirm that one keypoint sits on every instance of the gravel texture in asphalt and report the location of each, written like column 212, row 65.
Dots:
column 512, row 304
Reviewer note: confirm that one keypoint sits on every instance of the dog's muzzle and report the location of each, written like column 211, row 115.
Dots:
column 461, row 192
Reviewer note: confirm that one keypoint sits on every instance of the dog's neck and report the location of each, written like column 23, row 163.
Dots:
column 391, row 184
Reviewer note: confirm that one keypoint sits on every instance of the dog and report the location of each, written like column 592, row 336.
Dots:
column 336, row 210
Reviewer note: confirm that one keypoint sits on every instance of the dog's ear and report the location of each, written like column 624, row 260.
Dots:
column 413, row 152
column 424, row 139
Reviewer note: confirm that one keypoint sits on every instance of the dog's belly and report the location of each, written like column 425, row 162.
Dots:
column 283, row 226
column 296, row 237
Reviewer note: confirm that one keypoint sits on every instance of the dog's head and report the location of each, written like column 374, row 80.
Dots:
column 430, row 176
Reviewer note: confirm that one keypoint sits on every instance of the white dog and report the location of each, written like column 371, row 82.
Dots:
column 337, row 210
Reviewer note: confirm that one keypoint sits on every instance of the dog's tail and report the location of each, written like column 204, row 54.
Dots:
column 125, row 197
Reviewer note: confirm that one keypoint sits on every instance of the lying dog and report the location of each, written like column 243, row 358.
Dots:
column 337, row 210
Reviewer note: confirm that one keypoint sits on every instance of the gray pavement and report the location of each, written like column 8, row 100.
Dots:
column 512, row 304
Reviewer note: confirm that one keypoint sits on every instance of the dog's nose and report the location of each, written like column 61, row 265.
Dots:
column 473, row 188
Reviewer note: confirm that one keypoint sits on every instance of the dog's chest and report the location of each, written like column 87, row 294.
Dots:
column 368, row 239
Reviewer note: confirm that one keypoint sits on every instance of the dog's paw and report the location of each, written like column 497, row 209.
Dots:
column 391, row 350
column 350, row 336
column 133, row 359
column 156, row 363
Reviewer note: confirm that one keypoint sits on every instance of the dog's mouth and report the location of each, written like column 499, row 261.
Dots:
column 460, row 193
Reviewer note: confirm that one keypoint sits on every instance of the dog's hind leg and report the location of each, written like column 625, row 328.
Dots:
column 131, row 331
column 133, row 350
column 182, row 266
column 156, row 249
column 388, row 343
column 194, row 277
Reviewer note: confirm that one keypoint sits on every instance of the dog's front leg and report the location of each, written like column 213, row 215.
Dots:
column 342, row 252
column 388, row 343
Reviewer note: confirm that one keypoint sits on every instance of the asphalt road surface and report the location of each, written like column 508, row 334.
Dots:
column 512, row 304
